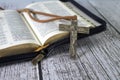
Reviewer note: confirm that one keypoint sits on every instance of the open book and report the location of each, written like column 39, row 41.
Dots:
column 20, row 34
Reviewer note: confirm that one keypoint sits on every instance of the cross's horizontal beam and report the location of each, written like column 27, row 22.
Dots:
column 80, row 29
column 84, row 30
column 64, row 27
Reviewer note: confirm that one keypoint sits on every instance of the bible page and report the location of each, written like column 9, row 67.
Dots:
column 13, row 30
column 46, row 30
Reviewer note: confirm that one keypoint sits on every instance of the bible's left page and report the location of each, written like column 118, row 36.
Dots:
column 14, row 32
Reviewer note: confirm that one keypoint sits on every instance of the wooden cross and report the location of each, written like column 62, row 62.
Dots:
column 73, row 29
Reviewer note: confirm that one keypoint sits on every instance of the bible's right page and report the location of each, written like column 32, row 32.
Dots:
column 44, row 31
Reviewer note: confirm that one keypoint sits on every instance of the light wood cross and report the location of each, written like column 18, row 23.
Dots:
column 73, row 29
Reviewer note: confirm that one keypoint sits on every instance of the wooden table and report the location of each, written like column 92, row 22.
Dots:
column 98, row 56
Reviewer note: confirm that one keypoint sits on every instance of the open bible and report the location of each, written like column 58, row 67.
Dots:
column 20, row 34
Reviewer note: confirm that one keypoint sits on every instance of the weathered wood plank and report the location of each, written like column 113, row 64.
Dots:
column 88, row 6
column 104, row 59
column 98, row 57
column 110, row 10
column 19, row 71
column 23, row 70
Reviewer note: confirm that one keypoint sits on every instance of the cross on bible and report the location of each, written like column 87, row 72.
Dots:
column 73, row 29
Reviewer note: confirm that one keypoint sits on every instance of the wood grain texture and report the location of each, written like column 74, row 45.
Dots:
column 19, row 71
column 98, row 56
column 110, row 9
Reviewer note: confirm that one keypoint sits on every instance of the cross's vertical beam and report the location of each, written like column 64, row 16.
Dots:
column 73, row 38
column 74, row 29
